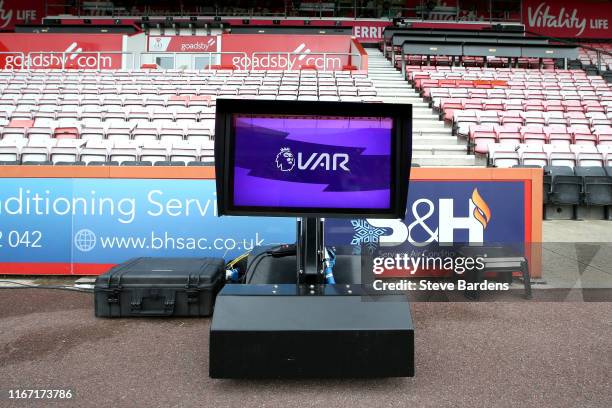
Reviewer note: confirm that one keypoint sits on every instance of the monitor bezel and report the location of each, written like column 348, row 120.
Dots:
column 401, row 114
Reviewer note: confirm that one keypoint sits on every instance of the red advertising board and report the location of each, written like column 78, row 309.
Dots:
column 568, row 19
column 44, row 51
column 285, row 52
column 13, row 12
column 193, row 43
column 369, row 31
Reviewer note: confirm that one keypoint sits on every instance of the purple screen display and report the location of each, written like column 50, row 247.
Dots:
column 312, row 162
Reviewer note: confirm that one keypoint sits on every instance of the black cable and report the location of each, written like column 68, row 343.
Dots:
column 28, row 286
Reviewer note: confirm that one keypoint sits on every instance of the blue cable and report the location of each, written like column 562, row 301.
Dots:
column 330, row 261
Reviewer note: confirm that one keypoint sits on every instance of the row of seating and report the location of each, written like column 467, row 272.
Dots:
column 15, row 96
column 538, row 134
column 483, row 80
column 74, row 151
column 582, row 186
column 67, row 80
column 128, row 132
column 470, row 61
column 497, row 73
column 139, row 163
column 171, row 89
column 598, row 122
column 510, row 154
column 23, row 118
column 10, row 105
column 480, row 81
column 436, row 94
column 452, row 76
column 448, row 106
column 589, row 57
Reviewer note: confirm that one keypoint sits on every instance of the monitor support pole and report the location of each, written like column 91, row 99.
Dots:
column 310, row 250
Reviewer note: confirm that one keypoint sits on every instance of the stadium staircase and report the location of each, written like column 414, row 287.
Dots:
column 433, row 142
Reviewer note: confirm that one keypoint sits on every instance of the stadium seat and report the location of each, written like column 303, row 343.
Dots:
column 63, row 154
column 143, row 133
column 75, row 163
column 170, row 135
column 481, row 136
column 560, row 155
column 119, row 133
column 504, row 155
column 123, row 154
column 9, row 153
column 153, row 153
column 136, row 163
column 533, row 155
column 546, row 187
column 201, row 163
column 36, row 163
column 34, row 154
column 169, row 163
column 597, row 186
column 102, row 163
column 566, row 191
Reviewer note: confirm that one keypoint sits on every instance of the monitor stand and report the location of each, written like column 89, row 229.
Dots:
column 310, row 250
column 309, row 329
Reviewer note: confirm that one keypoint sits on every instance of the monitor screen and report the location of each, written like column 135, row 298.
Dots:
column 301, row 158
column 312, row 161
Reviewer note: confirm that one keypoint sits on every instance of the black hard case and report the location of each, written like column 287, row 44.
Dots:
column 159, row 287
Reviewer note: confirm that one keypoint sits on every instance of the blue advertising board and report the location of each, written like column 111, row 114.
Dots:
column 66, row 221
column 83, row 225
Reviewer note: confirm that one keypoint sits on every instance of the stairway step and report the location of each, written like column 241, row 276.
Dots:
column 424, row 125
column 436, row 140
column 422, row 149
column 444, row 160
column 433, row 143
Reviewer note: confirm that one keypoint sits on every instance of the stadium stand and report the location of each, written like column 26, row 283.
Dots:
column 480, row 97
column 519, row 111
column 141, row 117
column 433, row 141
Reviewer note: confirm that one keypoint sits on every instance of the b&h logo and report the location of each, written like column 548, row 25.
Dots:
column 475, row 223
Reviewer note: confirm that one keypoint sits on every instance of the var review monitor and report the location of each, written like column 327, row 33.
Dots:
column 294, row 158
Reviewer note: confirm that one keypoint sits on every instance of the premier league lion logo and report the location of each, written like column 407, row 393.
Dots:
column 285, row 160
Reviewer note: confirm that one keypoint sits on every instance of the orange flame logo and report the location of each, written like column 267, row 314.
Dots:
column 482, row 212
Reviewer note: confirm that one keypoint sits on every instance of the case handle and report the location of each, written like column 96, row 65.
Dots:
column 158, row 303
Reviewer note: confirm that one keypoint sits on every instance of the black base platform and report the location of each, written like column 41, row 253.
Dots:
column 289, row 331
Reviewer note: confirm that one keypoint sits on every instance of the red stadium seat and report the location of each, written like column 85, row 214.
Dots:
column 66, row 133
column 481, row 137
